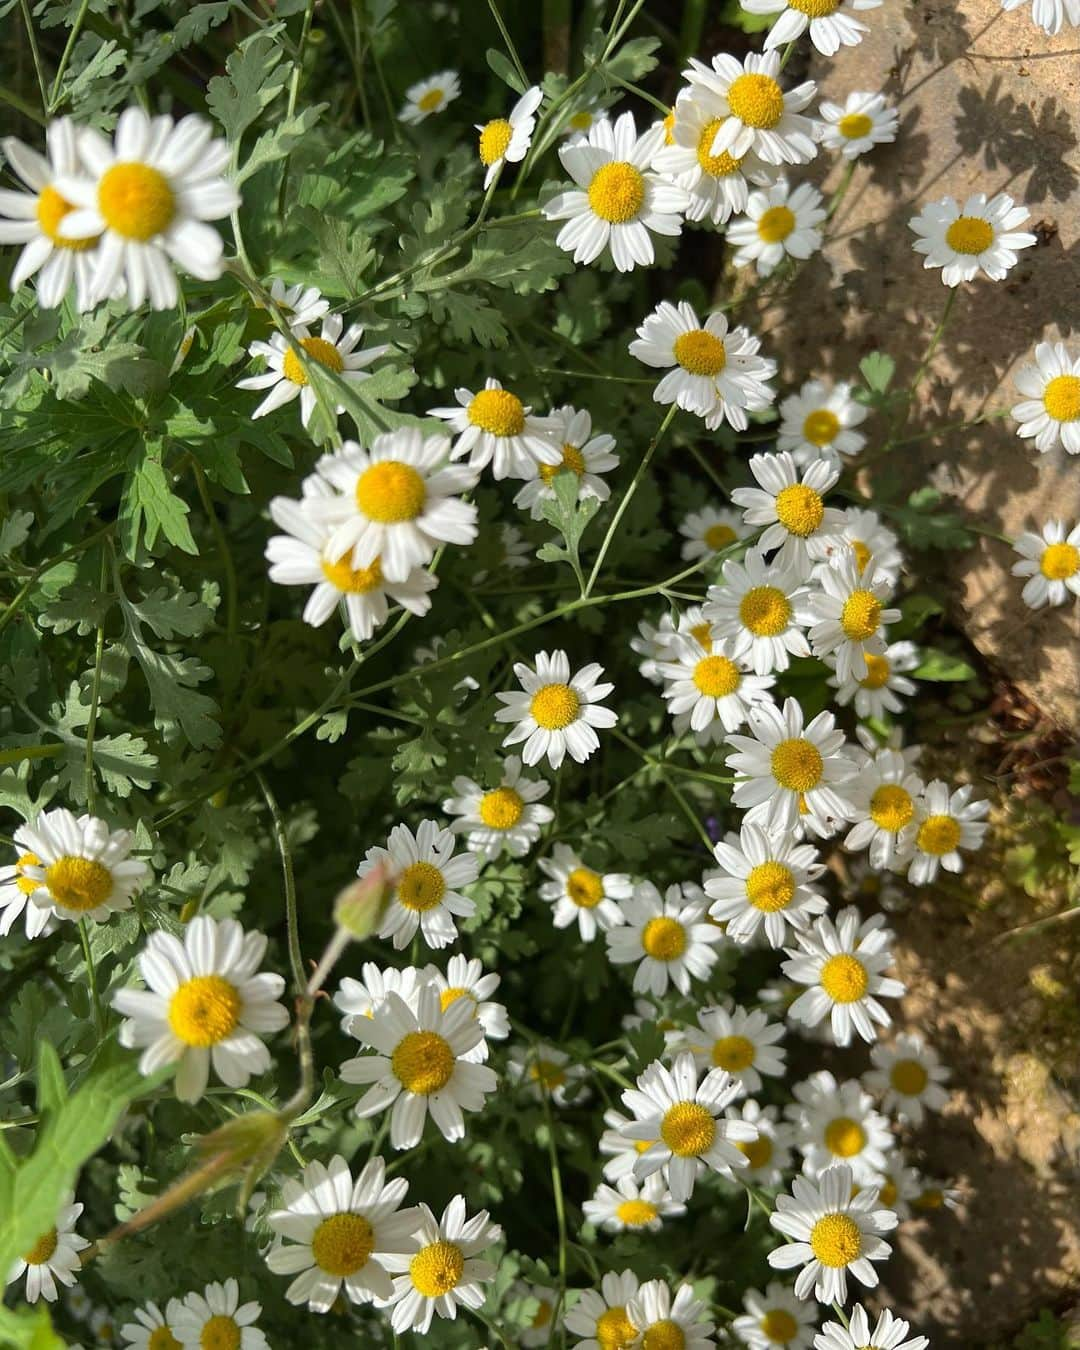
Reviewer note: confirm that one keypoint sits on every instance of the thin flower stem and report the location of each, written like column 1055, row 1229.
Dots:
column 65, row 56
column 294, row 90
column 789, row 52
column 841, row 191
column 508, row 42
column 934, row 342
column 35, row 53
column 21, row 105
column 91, row 977
column 662, row 107
column 95, row 688
column 296, row 960
column 560, row 1207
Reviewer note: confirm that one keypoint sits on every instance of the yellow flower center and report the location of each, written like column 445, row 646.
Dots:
column 908, row 1077
column 78, row 883
column 42, row 1249
column 664, row 939
column 580, row 121
column 351, row 580
column 614, row 1330
column 700, row 352
column 775, row 224
column 390, row 492
column 1061, row 398
column 220, row 1333
column 1059, row 561
column 547, row 1074
column 765, row 611
column 422, row 1062
column 572, row 459
column 501, row 809
column 669, row 128
column 836, row 1240
column 815, row 9
column 758, row 1152
column 719, row 536
column 756, row 100
column 734, row 1053
column 452, row 995
column 136, row 200
column 887, row 1194
column 636, row 1213
column 877, row 671
column 617, row 192
column 161, row 1338
column 932, row 1198
column 436, row 1268
column 24, row 883
column 585, row 887
column 969, row 234
column 51, row 210
column 702, row 633
column 342, row 1244
column 495, row 140
column 770, row 886
column 542, row 1316
column 891, row 808
column 717, row 677
column 779, row 1326
column 321, row 351
column 844, row 1137
column 938, row 835
column 861, row 615
column 665, row 1335
column 797, row 765
column 862, row 553
column 721, row 165
column 554, row 706
column 643, row 1145
column 820, row 427
column 497, row 411
column 205, row 1010
column 430, row 101
column 854, row 126
column 799, row 509
column 688, row 1129
column 844, row 978
column 421, row 886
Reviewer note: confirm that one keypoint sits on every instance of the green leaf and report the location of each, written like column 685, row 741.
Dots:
column 150, row 507
column 14, row 531
column 51, row 1087
column 937, row 664
column 570, row 517
column 501, row 65
column 363, row 400
column 251, row 82
column 279, row 141
column 877, row 370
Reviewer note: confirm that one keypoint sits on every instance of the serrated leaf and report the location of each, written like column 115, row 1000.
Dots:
column 14, row 531
column 150, row 507
column 251, row 82
column 279, row 141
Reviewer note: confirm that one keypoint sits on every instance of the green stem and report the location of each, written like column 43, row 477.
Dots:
column 841, row 191
column 508, row 42
column 95, row 690
column 227, row 565
column 24, row 5
column 16, row 604
column 294, row 90
column 296, row 960
column 65, row 56
column 91, row 975
column 20, row 104
column 934, row 341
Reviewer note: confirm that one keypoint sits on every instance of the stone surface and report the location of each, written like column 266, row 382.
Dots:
column 988, row 103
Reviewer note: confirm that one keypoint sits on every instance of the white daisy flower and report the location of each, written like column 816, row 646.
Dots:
column 73, row 867
column 148, row 195
column 465, row 979
column 768, row 1156
column 420, row 1066
column 16, row 888
column 621, row 1153
column 779, row 222
column 671, row 1323
column 864, row 120
column 767, row 883
column 653, row 640
column 717, row 184
column 506, row 140
column 429, row 96
column 886, row 795
column 899, row 1185
column 792, row 508
column 761, row 609
column 509, row 816
column 742, row 1041
column 617, row 201
column 582, row 120
column 545, row 1071
column 714, row 372
column 494, row 427
column 866, row 537
column 286, row 376
column 362, row 998
column 1049, row 14
column 581, row 895
column 632, row 1208
column 684, row 1119
column 830, row 1232
column 836, row 1122
column 205, row 1002
column 876, row 694
column 304, row 556
column 538, row 1320
column 32, row 218
column 850, row 614
column 982, row 235
column 842, row 964
column 602, row 1319
column 890, row 1333
column 790, row 774
column 668, row 936
column 908, row 1077
column 831, row 23
column 584, row 455
column 936, row 1195
column 705, row 532
column 556, row 712
column 333, row 1232
column 216, row 1317
column 757, row 114
column 426, row 878
column 302, row 305
column 711, row 687
column 1049, row 413
column 1051, row 561
column 775, row 1319
column 152, row 1328
column 54, row 1256
column 443, row 1272
column 817, row 422
column 948, row 822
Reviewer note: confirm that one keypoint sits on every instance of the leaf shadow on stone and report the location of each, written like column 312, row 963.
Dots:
column 1002, row 132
